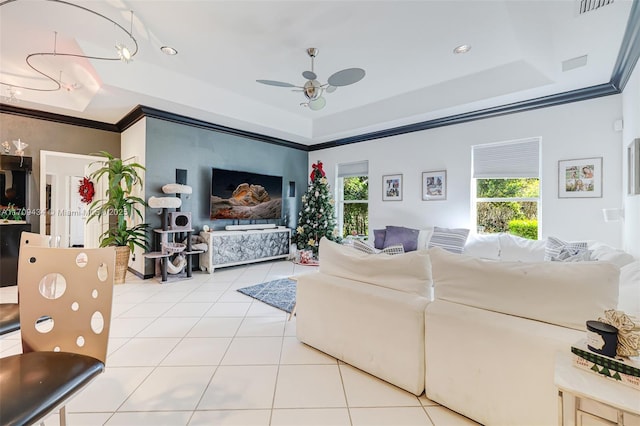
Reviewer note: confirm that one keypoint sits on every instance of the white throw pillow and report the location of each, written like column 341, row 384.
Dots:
column 424, row 237
column 605, row 253
column 450, row 239
column 409, row 272
column 518, row 249
column 562, row 251
column 366, row 248
column 484, row 246
column 566, row 294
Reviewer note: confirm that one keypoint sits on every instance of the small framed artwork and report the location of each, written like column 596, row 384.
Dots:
column 434, row 185
column 392, row 188
column 580, row 178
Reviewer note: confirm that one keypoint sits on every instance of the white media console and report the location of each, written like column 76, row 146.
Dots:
column 237, row 247
column 250, row 226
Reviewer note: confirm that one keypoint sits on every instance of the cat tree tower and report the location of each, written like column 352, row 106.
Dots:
column 173, row 257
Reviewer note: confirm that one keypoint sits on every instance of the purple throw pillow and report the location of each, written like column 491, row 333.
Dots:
column 378, row 235
column 400, row 235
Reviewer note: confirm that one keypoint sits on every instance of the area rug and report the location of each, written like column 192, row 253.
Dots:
column 280, row 293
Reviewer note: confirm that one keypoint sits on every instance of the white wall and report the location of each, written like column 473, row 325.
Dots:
column 133, row 145
column 631, row 116
column 571, row 131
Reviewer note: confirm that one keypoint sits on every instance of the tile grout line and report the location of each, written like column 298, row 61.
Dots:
column 344, row 391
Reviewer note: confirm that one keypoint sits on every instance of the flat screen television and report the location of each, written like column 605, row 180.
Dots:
column 245, row 196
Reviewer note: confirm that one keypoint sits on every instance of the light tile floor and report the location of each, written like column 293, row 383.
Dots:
column 197, row 352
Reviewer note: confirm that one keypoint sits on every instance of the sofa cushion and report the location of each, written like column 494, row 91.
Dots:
column 408, row 237
column 630, row 289
column 557, row 250
column 605, row 253
column 409, row 272
column 518, row 249
column 378, row 238
column 484, row 246
column 566, row 294
column 424, row 237
column 366, row 248
column 450, row 239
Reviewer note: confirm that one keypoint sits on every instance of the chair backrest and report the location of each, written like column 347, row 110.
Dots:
column 74, row 288
column 37, row 240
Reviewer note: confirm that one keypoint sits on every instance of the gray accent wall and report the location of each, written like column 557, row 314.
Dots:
column 52, row 136
column 171, row 146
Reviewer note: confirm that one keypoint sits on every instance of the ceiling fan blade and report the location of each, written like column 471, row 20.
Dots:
column 346, row 77
column 331, row 89
column 309, row 75
column 317, row 104
column 275, row 83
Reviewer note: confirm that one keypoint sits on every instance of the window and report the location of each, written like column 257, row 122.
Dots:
column 352, row 195
column 507, row 187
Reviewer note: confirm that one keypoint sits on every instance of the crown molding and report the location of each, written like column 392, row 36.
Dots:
column 629, row 52
column 584, row 94
column 57, row 118
column 143, row 111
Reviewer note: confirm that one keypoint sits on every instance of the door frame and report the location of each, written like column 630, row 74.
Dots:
column 44, row 155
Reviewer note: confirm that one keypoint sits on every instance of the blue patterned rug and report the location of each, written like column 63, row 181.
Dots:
column 280, row 294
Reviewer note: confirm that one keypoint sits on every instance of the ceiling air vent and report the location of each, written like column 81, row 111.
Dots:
column 585, row 6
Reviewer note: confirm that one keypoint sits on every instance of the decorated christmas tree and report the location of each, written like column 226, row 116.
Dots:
column 316, row 218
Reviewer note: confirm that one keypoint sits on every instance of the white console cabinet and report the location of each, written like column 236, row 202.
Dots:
column 229, row 248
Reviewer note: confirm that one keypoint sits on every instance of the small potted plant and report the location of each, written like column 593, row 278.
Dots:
column 121, row 207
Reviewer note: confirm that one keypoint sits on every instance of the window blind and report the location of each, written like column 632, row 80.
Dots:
column 360, row 168
column 519, row 159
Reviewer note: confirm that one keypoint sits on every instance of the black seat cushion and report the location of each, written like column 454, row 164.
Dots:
column 9, row 317
column 36, row 383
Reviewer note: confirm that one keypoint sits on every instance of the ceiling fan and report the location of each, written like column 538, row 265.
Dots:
column 313, row 89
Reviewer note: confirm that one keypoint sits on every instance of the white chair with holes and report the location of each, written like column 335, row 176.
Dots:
column 74, row 289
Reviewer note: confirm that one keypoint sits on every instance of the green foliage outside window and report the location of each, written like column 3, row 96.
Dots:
column 496, row 216
column 524, row 228
column 508, row 188
column 355, row 215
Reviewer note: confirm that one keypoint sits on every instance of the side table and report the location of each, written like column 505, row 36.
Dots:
column 583, row 385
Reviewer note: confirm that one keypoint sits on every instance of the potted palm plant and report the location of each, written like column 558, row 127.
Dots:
column 121, row 207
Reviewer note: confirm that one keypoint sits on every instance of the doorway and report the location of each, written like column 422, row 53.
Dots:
column 65, row 215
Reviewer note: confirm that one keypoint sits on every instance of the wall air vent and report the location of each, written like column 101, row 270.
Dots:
column 574, row 63
column 585, row 6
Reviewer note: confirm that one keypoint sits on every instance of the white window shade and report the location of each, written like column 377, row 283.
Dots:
column 519, row 159
column 360, row 168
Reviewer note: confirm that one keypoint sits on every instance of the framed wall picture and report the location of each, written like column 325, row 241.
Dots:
column 392, row 187
column 580, row 178
column 434, row 185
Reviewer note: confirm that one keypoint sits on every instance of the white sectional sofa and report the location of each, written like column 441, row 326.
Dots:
column 479, row 336
column 370, row 317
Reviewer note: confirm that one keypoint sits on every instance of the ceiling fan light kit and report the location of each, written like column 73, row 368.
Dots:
column 313, row 89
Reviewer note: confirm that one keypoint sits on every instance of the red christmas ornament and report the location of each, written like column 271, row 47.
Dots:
column 86, row 190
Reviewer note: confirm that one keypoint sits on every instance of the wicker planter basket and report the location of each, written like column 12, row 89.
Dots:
column 122, row 263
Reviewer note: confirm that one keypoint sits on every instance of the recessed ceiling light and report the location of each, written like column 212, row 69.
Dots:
column 168, row 50
column 463, row 48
